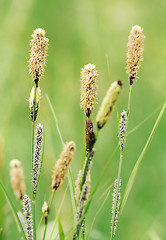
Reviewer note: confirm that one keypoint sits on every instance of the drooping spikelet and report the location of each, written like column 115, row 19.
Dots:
column 115, row 205
column 122, row 125
column 17, row 178
column 31, row 102
column 28, row 216
column 135, row 51
column 37, row 156
column 80, row 209
column 108, row 103
column 88, row 88
column 39, row 46
column 62, row 164
column 78, row 183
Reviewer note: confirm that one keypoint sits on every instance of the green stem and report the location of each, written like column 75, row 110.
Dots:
column 45, row 229
column 33, row 136
column 84, row 149
column 129, row 101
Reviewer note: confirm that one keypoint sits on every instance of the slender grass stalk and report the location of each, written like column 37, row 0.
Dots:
column 84, row 149
column 13, row 210
column 45, row 229
column 33, row 195
column 129, row 101
column 59, row 209
column 137, row 165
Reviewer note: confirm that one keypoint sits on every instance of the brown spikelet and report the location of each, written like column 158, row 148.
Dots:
column 135, row 52
column 62, row 164
column 88, row 88
column 39, row 46
column 17, row 178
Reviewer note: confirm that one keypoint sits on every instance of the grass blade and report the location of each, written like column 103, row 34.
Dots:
column 137, row 165
column 13, row 210
column 61, row 232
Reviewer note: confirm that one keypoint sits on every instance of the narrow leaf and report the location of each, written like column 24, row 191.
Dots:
column 61, row 232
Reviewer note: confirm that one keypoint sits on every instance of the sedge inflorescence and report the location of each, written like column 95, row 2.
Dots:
column 135, row 52
column 88, row 88
column 28, row 217
column 62, row 164
column 39, row 46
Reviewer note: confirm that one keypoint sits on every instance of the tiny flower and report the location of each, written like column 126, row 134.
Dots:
column 62, row 164
column 17, row 178
column 37, row 156
column 32, row 101
column 78, row 184
column 88, row 88
column 122, row 123
column 45, row 211
column 108, row 103
column 39, row 46
column 135, row 52
column 28, row 217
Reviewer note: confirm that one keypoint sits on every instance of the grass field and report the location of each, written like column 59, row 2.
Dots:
column 82, row 32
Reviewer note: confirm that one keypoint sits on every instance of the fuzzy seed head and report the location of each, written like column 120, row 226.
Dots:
column 17, row 178
column 88, row 88
column 39, row 46
column 108, row 103
column 62, row 164
column 31, row 102
column 135, row 52
column 37, row 156
column 122, row 125
column 45, row 209
column 28, row 216
column 115, row 204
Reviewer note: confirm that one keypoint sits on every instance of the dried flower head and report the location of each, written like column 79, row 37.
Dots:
column 32, row 100
column 115, row 205
column 62, row 164
column 17, row 178
column 135, row 52
column 122, row 123
column 39, row 46
column 108, row 103
column 78, row 184
column 28, row 216
column 37, row 156
column 88, row 88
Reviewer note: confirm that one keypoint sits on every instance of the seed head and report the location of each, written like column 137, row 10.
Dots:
column 122, row 123
column 32, row 100
column 78, row 184
column 28, row 216
column 108, row 103
column 135, row 52
column 17, row 178
column 45, row 209
column 115, row 205
column 90, row 135
column 62, row 164
column 39, row 46
column 37, row 156
column 88, row 88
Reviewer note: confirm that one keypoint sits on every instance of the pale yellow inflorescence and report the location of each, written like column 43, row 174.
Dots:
column 108, row 103
column 135, row 52
column 88, row 88
column 62, row 164
column 45, row 209
column 17, row 178
column 39, row 46
column 32, row 99
column 78, row 182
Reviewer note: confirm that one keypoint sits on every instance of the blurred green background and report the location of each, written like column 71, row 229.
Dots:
column 81, row 32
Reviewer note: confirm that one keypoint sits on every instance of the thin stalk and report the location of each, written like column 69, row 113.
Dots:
column 129, row 101
column 84, row 149
column 33, row 195
column 116, row 196
column 45, row 229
